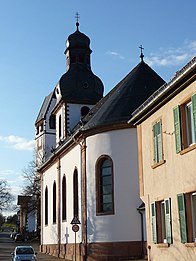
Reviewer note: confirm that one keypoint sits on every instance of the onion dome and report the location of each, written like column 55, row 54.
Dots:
column 79, row 84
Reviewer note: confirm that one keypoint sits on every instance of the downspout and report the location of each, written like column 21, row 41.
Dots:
column 84, row 197
column 58, row 206
column 142, row 232
column 41, row 213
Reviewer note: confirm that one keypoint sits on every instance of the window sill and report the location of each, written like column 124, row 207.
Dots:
column 104, row 214
column 190, row 244
column 163, row 245
column 154, row 166
column 192, row 147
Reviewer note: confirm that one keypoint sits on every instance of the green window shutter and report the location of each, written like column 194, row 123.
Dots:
column 155, row 142
column 159, row 142
column 194, row 112
column 182, row 217
column 154, row 225
column 168, row 224
column 177, row 129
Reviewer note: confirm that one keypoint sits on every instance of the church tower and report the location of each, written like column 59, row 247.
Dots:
column 77, row 91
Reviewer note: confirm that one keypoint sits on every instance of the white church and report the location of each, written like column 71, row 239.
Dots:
column 87, row 156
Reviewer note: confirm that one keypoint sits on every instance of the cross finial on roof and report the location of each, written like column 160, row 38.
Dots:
column 141, row 55
column 77, row 19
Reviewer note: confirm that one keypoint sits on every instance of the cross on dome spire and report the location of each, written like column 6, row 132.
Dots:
column 141, row 55
column 77, row 19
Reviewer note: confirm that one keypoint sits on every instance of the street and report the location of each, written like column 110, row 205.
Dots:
column 7, row 246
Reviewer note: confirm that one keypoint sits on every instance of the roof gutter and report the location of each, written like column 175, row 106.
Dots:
column 137, row 114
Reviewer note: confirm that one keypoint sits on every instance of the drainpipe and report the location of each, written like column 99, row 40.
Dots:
column 140, row 210
column 41, row 213
column 58, row 206
column 84, row 197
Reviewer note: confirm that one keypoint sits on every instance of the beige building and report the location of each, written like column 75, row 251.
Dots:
column 166, row 125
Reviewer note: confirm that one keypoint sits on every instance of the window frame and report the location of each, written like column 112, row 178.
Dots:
column 187, row 218
column 75, row 194
column 64, row 198
column 99, row 197
column 46, row 206
column 181, row 116
column 60, row 127
column 54, row 205
column 158, row 156
column 161, row 222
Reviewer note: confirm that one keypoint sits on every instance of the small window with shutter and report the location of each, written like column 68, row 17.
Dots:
column 187, row 216
column 157, row 142
column 185, row 124
column 161, row 222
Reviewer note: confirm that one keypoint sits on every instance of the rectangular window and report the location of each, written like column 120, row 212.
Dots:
column 187, row 216
column 161, row 222
column 157, row 142
column 185, row 124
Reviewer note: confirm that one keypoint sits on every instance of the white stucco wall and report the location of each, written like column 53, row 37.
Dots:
column 69, row 163
column 32, row 221
column 124, row 225
column 75, row 113
column 49, row 232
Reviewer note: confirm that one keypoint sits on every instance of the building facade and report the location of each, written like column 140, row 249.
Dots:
column 166, row 127
column 88, row 161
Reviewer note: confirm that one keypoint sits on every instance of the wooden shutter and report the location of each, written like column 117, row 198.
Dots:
column 159, row 141
column 182, row 217
column 194, row 112
column 155, row 142
column 168, row 224
column 154, row 225
column 177, row 128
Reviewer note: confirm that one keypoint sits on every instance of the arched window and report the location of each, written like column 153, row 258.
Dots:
column 59, row 126
column 54, row 202
column 104, row 186
column 84, row 110
column 64, row 199
column 52, row 121
column 75, row 193
column 46, row 205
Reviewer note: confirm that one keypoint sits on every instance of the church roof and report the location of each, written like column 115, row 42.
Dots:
column 116, row 107
column 79, row 84
column 164, row 93
column 78, row 40
column 44, row 107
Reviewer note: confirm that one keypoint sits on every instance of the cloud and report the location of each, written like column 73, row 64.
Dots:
column 17, row 142
column 115, row 54
column 173, row 56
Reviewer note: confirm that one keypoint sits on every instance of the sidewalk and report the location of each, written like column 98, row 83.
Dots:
column 41, row 256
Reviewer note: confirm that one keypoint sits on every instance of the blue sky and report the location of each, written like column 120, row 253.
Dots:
column 32, row 44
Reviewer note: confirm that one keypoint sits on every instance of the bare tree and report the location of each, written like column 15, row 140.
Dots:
column 2, row 219
column 32, row 188
column 6, row 197
column 32, row 181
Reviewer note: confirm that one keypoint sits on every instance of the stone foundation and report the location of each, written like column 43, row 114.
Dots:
column 114, row 251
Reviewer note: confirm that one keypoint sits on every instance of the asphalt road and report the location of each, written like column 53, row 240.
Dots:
column 7, row 246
